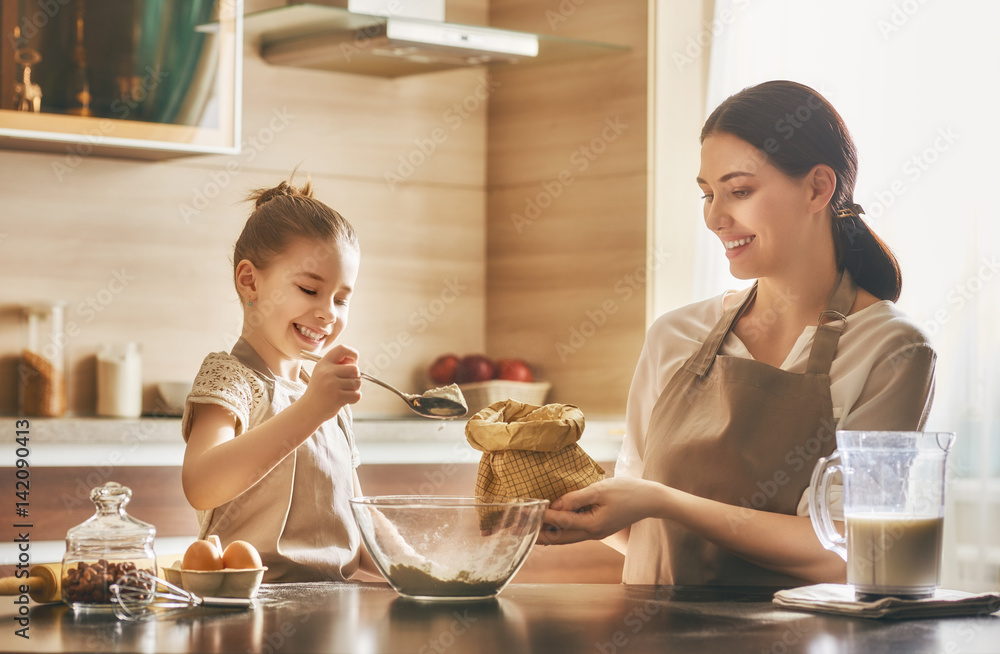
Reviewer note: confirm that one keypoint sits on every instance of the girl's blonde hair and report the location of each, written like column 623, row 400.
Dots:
column 283, row 213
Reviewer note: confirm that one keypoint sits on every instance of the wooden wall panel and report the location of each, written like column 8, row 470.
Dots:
column 567, row 210
column 358, row 126
column 62, row 498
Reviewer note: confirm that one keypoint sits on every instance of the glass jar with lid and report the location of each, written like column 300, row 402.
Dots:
column 42, row 366
column 104, row 548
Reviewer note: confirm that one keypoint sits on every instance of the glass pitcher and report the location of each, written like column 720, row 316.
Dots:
column 894, row 485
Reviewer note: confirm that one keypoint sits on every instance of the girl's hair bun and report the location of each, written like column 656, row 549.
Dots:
column 283, row 213
column 263, row 195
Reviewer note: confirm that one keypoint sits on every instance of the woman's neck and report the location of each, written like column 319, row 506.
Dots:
column 797, row 292
column 793, row 302
column 788, row 300
column 781, row 310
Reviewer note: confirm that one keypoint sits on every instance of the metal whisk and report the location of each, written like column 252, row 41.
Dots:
column 140, row 595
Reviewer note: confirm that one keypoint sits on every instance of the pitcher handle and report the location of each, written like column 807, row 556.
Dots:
column 819, row 504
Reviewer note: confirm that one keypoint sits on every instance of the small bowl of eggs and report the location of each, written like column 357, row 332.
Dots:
column 208, row 570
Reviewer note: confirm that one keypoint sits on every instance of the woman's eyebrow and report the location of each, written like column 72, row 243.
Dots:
column 727, row 176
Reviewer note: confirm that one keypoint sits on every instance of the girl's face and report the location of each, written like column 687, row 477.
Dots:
column 761, row 215
column 301, row 299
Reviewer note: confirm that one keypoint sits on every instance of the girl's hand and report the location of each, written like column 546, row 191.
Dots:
column 599, row 510
column 335, row 382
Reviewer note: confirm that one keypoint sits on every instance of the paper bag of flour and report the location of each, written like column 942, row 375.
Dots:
column 529, row 452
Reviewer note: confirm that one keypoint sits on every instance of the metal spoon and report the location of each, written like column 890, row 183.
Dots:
column 426, row 404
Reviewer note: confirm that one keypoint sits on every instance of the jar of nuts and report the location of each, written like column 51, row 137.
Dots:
column 101, row 550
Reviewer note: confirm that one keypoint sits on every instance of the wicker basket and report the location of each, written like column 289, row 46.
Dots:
column 479, row 395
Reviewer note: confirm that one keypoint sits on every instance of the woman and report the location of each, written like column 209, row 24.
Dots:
column 735, row 398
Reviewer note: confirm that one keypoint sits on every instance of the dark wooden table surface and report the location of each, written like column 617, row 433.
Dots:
column 548, row 618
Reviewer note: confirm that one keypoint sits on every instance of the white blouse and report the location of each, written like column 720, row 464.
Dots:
column 881, row 379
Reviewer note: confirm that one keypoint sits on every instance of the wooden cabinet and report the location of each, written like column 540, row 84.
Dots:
column 90, row 78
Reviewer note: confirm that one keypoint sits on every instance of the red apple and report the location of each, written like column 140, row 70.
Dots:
column 514, row 370
column 474, row 368
column 442, row 371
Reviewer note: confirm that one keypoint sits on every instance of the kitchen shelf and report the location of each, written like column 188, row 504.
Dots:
column 91, row 98
column 147, row 441
column 313, row 36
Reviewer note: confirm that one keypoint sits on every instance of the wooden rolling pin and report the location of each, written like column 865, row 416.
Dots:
column 43, row 580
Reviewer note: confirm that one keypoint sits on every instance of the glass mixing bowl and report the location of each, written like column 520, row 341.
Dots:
column 448, row 548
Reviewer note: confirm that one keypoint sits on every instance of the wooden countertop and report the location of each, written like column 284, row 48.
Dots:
column 549, row 618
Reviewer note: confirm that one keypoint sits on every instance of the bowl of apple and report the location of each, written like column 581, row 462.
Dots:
column 484, row 380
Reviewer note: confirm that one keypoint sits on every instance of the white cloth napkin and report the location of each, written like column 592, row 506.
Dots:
column 839, row 599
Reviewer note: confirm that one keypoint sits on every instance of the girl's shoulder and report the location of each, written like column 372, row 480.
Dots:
column 223, row 377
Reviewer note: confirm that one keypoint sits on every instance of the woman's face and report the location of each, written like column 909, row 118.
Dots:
column 760, row 215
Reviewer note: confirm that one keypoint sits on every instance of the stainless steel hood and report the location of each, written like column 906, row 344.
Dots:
column 405, row 37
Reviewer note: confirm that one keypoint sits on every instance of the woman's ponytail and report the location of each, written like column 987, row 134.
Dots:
column 863, row 254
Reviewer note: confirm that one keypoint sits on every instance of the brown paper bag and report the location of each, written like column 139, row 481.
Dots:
column 529, row 451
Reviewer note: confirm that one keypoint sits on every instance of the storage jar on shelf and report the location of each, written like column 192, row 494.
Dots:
column 42, row 365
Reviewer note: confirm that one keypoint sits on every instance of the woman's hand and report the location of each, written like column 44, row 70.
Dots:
column 600, row 510
column 335, row 382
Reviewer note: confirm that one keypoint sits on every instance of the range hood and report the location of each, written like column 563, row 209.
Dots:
column 392, row 38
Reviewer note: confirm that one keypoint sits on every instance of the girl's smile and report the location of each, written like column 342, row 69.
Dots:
column 310, row 336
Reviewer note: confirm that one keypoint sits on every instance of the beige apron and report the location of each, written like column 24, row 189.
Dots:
column 738, row 431
column 298, row 515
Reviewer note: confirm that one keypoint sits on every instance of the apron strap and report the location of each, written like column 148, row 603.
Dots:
column 704, row 357
column 248, row 356
column 827, row 336
column 825, row 341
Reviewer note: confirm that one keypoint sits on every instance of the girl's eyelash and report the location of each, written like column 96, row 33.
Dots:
column 307, row 291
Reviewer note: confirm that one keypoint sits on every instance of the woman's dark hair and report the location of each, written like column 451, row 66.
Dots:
column 283, row 213
column 796, row 129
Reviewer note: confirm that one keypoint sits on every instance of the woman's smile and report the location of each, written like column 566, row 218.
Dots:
column 736, row 246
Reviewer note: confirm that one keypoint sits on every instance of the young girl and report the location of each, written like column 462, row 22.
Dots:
column 735, row 398
column 270, row 455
